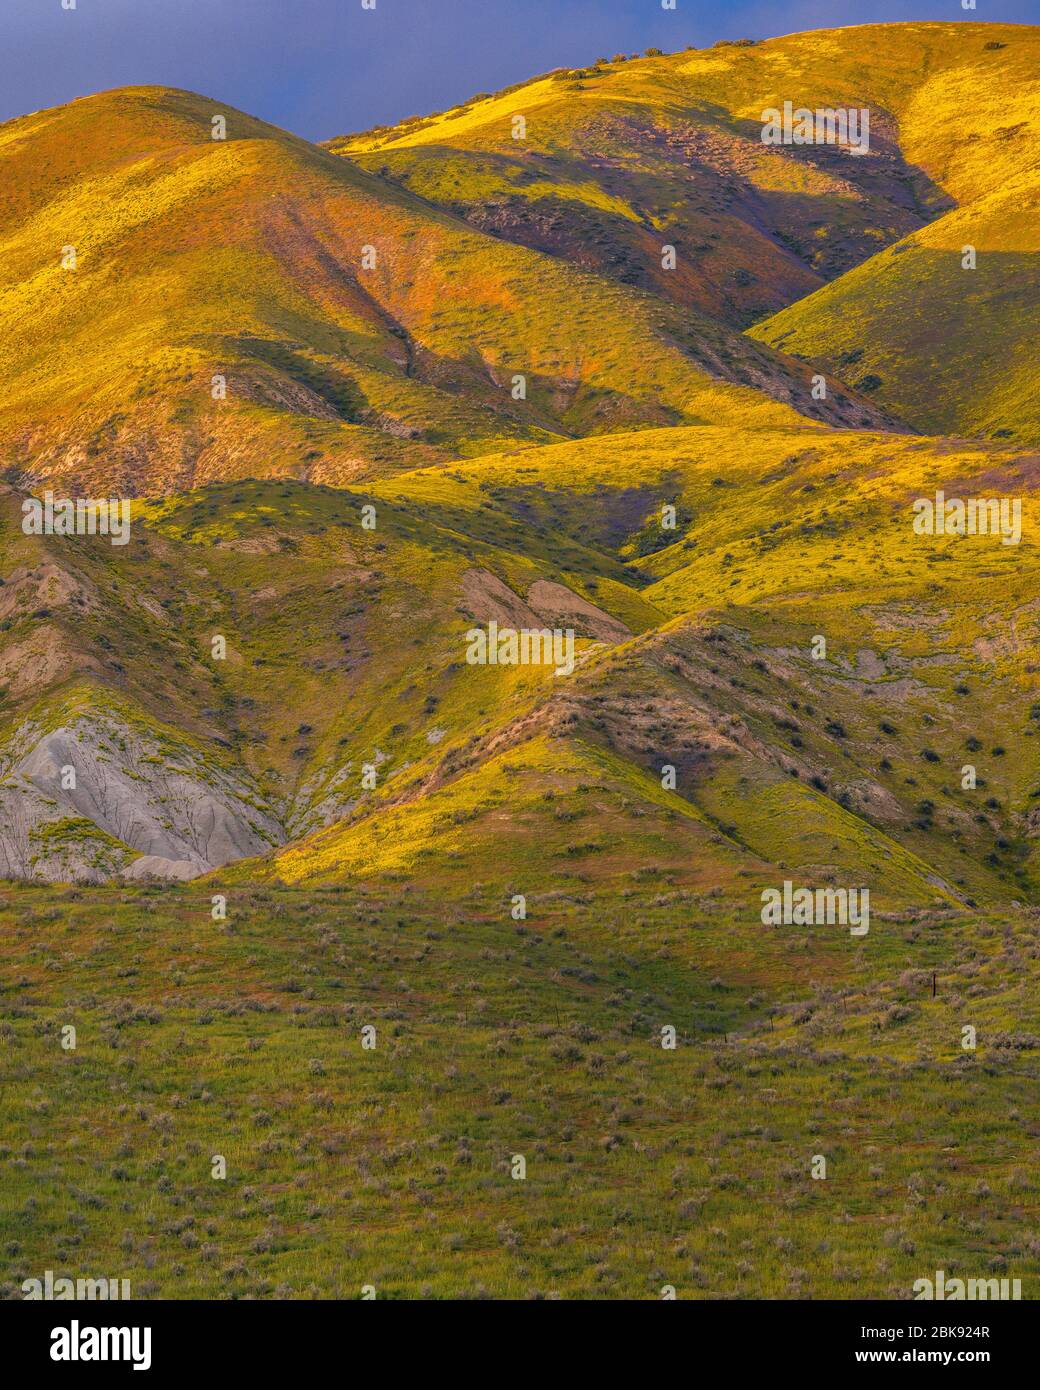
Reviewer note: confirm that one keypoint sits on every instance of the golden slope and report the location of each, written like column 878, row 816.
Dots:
column 245, row 259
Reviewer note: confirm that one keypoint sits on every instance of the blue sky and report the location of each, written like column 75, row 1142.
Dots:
column 324, row 67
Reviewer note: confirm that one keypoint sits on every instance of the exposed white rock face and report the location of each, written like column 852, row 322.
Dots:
column 153, row 866
column 153, row 796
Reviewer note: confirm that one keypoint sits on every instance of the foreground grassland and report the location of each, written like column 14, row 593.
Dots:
column 392, row 1167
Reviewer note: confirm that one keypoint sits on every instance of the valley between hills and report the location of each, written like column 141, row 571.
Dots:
column 366, row 395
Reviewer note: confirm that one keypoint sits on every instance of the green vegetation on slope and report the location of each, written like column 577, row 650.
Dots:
column 392, row 1166
column 521, row 880
column 266, row 307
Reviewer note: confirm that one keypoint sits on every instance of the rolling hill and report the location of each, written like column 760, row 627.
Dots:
column 629, row 153
column 938, row 325
column 257, row 797
column 704, row 631
column 853, row 264
column 267, row 308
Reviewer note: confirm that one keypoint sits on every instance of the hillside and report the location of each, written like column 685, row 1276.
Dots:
column 718, row 677
column 259, row 793
column 702, row 630
column 941, row 338
column 248, row 331
column 392, row 1166
column 853, row 264
column 622, row 156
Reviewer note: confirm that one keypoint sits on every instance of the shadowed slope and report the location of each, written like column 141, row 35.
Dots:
column 838, row 765
column 940, row 328
column 624, row 156
column 857, row 259
column 181, row 308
